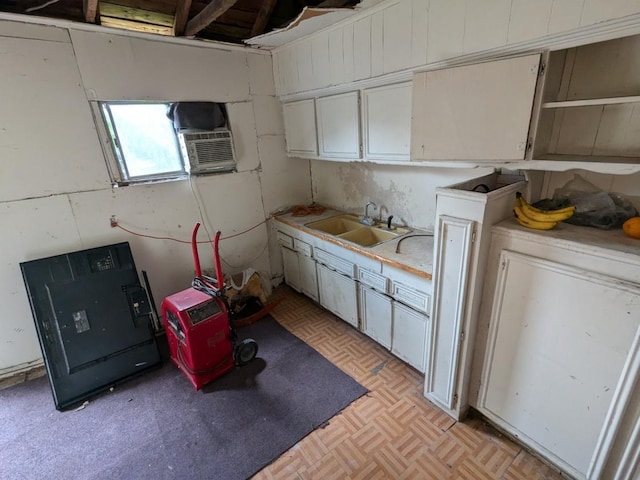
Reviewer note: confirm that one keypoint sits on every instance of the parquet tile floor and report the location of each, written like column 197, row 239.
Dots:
column 393, row 432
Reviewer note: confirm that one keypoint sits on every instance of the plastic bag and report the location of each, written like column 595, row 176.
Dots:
column 594, row 208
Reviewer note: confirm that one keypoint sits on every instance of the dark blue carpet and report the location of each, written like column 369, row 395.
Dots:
column 158, row 427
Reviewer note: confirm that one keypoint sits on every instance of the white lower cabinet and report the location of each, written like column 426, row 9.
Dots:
column 375, row 315
column 557, row 359
column 338, row 294
column 388, row 304
column 308, row 277
column 299, row 268
column 571, row 336
column 410, row 336
column 291, row 268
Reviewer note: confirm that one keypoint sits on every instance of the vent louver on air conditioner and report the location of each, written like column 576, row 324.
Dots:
column 209, row 152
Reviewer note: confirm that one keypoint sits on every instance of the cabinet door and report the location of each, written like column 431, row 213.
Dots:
column 560, row 341
column 386, row 122
column 300, row 128
column 409, row 336
column 375, row 315
column 451, row 268
column 291, row 268
column 308, row 276
column 338, row 294
column 474, row 112
column 338, row 126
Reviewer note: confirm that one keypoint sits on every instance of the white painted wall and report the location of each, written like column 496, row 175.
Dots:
column 628, row 185
column 55, row 193
column 407, row 193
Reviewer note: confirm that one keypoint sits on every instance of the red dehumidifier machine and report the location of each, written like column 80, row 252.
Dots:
column 199, row 326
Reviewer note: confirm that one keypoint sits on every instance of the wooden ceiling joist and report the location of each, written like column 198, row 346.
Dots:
column 207, row 15
column 90, row 10
column 263, row 17
column 136, row 26
column 332, row 4
column 182, row 15
column 135, row 14
column 160, row 6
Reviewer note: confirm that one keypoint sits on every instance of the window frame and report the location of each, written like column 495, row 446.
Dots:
column 116, row 163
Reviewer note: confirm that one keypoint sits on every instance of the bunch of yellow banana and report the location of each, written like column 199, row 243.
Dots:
column 532, row 217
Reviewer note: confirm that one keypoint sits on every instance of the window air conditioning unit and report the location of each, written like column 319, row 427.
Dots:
column 208, row 152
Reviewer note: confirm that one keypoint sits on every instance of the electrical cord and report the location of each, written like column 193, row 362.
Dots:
column 249, row 262
column 410, row 236
column 483, row 186
column 154, row 237
column 204, row 217
column 188, row 241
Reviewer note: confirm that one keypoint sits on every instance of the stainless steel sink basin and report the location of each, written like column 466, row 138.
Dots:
column 336, row 225
column 349, row 228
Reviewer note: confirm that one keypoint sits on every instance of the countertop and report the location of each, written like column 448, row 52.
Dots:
column 415, row 253
column 575, row 237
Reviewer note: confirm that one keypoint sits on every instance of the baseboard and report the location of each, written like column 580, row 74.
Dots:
column 22, row 373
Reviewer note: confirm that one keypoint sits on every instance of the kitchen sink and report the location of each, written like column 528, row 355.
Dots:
column 337, row 225
column 368, row 236
column 348, row 227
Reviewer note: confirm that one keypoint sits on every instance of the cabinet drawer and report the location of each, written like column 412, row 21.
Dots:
column 302, row 247
column 411, row 297
column 373, row 280
column 335, row 263
column 285, row 240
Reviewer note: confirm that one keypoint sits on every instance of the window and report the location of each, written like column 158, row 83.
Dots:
column 160, row 141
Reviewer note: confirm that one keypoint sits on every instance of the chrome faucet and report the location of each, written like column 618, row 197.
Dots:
column 367, row 220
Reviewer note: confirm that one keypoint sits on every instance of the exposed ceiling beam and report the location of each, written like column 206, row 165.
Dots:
column 90, row 10
column 207, row 15
column 114, row 10
column 182, row 15
column 332, row 4
column 125, row 24
column 263, row 17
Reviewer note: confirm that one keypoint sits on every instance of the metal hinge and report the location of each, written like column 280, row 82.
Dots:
column 541, row 69
column 455, row 401
column 473, row 237
column 462, row 336
column 360, row 150
column 529, row 144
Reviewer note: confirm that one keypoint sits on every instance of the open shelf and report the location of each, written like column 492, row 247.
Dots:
column 592, row 101
column 563, row 163
column 588, row 114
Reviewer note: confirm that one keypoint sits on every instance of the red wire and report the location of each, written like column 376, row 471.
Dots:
column 186, row 241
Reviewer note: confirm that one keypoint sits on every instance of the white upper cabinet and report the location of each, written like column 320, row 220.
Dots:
column 300, row 128
column 588, row 114
column 338, row 118
column 386, row 122
column 477, row 112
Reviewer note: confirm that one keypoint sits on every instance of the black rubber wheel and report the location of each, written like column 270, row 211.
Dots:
column 246, row 351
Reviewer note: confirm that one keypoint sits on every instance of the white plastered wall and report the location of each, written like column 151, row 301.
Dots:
column 407, row 193
column 55, row 192
column 628, row 185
